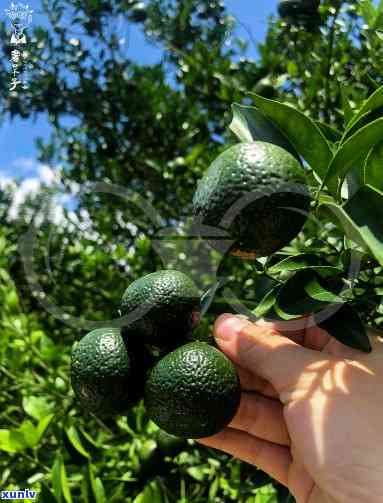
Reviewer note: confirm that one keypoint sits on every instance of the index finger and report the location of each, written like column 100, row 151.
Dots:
column 303, row 331
column 272, row 458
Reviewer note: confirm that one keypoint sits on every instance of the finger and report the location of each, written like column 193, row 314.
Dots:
column 319, row 339
column 261, row 417
column 271, row 458
column 303, row 331
column 294, row 329
column 262, row 350
column 252, row 382
column 315, row 337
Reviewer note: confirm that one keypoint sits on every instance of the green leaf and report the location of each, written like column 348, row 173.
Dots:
column 346, row 326
column 151, row 494
column 196, row 472
column 97, row 486
column 56, row 479
column 354, row 179
column 26, row 435
column 36, row 406
column 379, row 16
column 346, row 224
column 74, row 438
column 265, row 494
column 30, row 433
column 266, row 303
column 373, row 167
column 366, row 119
column 89, row 439
column 372, row 103
column 304, row 261
column 12, row 441
column 368, row 11
column 59, row 481
column 250, row 124
column 302, row 294
column 43, row 425
column 316, row 291
column 365, row 208
column 372, row 81
column 347, row 109
column 331, row 134
column 356, row 147
column 213, row 489
column 305, row 136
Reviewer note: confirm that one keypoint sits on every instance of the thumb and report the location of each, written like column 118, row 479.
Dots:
column 261, row 349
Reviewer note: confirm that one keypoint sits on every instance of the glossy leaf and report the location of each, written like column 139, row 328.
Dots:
column 12, row 441
column 331, row 134
column 368, row 11
column 364, row 120
column 346, row 326
column 302, row 132
column 30, row 433
column 365, row 208
column 373, row 167
column 316, row 291
column 56, row 474
column 266, row 303
column 60, row 482
column 36, row 406
column 250, row 124
column 74, row 438
column 347, row 109
column 151, row 494
column 302, row 294
column 99, row 491
column 346, row 224
column 372, row 103
column 356, row 147
column 354, row 179
column 302, row 262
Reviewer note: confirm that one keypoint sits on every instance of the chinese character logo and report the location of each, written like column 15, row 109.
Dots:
column 21, row 17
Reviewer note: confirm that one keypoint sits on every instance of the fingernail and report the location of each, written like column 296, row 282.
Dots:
column 227, row 326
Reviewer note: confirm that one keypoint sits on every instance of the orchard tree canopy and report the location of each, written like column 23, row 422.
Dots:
column 138, row 139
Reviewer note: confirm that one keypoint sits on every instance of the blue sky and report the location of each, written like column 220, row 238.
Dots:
column 17, row 147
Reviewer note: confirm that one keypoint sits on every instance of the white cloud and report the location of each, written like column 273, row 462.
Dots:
column 52, row 209
column 28, row 167
column 33, row 175
column 5, row 182
column 27, row 187
column 47, row 175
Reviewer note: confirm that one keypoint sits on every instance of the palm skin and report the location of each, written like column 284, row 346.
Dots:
column 312, row 412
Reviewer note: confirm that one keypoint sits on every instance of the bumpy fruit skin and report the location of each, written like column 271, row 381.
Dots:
column 257, row 192
column 193, row 392
column 162, row 308
column 106, row 377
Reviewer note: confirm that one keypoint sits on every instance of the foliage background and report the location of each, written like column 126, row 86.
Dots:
column 136, row 130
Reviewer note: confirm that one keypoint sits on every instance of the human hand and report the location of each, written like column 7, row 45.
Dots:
column 312, row 412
